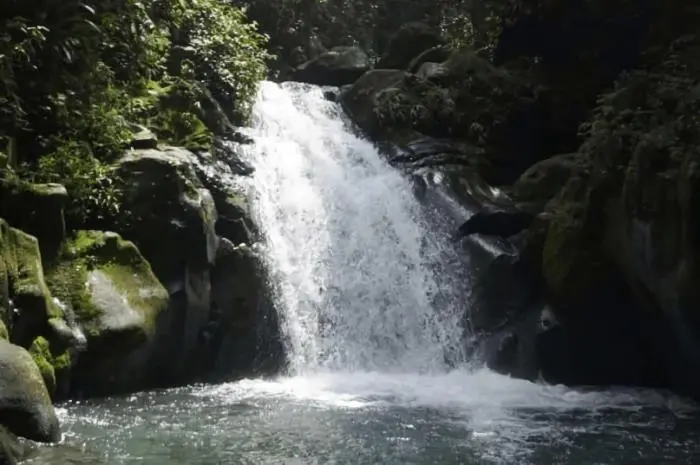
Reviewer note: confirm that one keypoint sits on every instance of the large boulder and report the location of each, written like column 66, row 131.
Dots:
column 116, row 300
column 25, row 405
column 621, row 254
column 36, row 209
column 336, row 67
column 172, row 216
column 241, row 317
column 408, row 42
column 497, row 222
column 362, row 98
column 544, row 180
column 26, row 305
column 186, row 208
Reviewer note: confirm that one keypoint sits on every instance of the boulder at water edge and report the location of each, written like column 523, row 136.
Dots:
column 25, row 405
column 189, row 209
column 116, row 299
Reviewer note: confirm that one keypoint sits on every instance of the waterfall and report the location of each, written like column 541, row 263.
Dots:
column 354, row 262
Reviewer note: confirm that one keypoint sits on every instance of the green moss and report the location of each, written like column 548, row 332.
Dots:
column 41, row 354
column 51, row 365
column 121, row 262
column 68, row 283
column 3, row 331
column 561, row 250
column 23, row 267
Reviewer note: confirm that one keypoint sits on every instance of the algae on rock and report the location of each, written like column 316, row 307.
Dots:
column 117, row 301
column 21, row 272
column 110, row 287
column 55, row 369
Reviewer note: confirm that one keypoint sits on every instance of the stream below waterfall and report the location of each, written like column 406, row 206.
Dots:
column 371, row 305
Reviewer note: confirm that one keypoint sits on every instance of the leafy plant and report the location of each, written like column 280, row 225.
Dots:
column 93, row 189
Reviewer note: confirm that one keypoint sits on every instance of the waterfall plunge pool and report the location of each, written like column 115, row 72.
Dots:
column 373, row 333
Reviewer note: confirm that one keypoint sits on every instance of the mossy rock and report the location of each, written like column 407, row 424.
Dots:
column 573, row 256
column 54, row 368
column 22, row 279
column 3, row 331
column 544, row 180
column 361, row 100
column 36, row 209
column 111, row 288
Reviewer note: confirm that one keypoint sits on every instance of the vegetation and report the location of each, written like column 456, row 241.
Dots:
column 76, row 75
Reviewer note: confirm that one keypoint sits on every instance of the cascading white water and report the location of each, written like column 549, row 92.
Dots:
column 371, row 332
column 350, row 252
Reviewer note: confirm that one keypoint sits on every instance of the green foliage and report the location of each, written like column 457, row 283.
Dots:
column 94, row 193
column 170, row 109
column 656, row 110
column 221, row 51
column 297, row 27
column 75, row 76
column 468, row 98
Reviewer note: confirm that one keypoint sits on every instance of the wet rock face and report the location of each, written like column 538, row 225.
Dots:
column 195, row 229
column 116, row 301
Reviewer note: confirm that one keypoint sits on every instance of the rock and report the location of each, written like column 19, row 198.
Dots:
column 25, row 405
column 36, row 209
column 54, row 367
column 503, row 223
column 336, row 67
column 11, row 450
column 463, row 98
column 142, row 138
column 225, row 175
column 360, row 100
column 409, row 41
column 572, row 259
column 117, row 300
column 439, row 54
column 620, row 258
column 544, row 180
column 184, row 206
column 234, row 218
column 238, row 291
column 432, row 71
column 173, row 216
column 22, row 283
